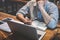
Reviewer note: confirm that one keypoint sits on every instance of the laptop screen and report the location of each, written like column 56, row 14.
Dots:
column 24, row 30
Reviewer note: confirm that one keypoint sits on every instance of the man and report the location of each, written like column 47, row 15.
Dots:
column 47, row 13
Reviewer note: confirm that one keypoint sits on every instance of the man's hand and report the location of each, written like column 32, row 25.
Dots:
column 27, row 21
column 41, row 4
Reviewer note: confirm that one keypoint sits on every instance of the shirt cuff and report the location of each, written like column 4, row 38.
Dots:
column 20, row 13
column 52, row 24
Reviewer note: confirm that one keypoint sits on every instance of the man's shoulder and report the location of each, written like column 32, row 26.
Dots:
column 51, row 4
column 28, row 3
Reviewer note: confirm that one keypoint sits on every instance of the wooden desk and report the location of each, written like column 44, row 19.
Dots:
column 48, row 35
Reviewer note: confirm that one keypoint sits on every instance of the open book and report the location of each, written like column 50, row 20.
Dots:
column 39, row 25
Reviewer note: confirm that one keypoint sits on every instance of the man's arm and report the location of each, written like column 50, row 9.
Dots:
column 50, row 20
column 45, row 15
column 22, row 12
column 21, row 17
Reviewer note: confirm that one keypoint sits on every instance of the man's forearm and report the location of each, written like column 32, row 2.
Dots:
column 21, row 17
column 45, row 15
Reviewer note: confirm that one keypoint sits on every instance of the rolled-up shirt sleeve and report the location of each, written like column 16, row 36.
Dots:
column 24, row 9
column 53, row 10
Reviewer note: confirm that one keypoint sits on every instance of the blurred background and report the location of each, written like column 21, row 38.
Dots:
column 12, row 6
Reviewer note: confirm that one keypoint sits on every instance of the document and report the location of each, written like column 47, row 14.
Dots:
column 39, row 25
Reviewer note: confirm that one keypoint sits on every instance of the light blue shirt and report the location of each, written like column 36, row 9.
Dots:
column 50, row 8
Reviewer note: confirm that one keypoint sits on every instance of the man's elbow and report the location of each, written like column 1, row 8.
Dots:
column 52, row 24
column 18, row 16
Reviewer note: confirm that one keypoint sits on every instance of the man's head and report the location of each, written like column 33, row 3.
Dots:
column 39, row 1
column 42, row 0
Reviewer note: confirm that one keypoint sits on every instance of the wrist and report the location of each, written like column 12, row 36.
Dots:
column 24, row 20
column 41, row 8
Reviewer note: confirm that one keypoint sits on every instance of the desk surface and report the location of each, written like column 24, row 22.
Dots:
column 49, row 33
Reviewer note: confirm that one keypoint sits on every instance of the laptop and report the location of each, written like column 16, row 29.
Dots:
column 26, row 31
